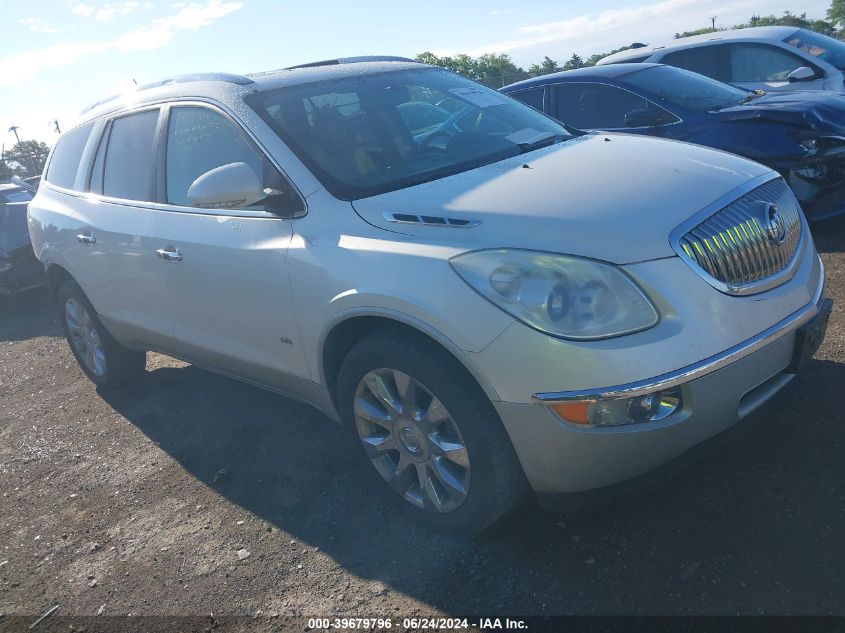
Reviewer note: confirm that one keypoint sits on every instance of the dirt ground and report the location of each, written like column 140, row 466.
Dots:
column 190, row 493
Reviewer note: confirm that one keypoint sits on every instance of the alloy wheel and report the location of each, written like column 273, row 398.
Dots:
column 84, row 337
column 412, row 440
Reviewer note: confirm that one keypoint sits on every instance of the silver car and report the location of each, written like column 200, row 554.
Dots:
column 770, row 58
column 489, row 303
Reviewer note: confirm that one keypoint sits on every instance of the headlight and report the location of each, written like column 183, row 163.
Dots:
column 569, row 297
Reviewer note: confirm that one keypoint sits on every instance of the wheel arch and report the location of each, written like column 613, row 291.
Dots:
column 56, row 276
column 352, row 326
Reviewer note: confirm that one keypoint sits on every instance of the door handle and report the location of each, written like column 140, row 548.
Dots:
column 86, row 238
column 170, row 254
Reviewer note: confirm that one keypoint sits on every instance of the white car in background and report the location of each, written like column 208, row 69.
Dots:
column 759, row 58
column 485, row 302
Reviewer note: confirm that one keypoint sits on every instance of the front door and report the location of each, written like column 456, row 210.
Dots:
column 224, row 272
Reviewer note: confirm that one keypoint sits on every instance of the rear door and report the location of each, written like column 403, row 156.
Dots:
column 224, row 272
column 107, row 220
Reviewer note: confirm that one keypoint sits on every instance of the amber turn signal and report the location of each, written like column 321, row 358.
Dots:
column 575, row 412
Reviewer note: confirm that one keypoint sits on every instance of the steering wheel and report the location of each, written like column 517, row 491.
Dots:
column 439, row 132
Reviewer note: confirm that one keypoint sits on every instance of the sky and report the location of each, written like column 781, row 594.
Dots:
column 58, row 56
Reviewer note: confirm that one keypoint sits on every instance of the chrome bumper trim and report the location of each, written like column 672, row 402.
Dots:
column 696, row 370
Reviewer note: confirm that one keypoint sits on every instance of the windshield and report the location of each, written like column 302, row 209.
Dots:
column 687, row 89
column 363, row 135
column 825, row 48
column 15, row 195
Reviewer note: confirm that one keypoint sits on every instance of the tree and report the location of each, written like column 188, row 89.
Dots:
column 573, row 62
column 497, row 70
column 836, row 14
column 696, row 32
column 26, row 158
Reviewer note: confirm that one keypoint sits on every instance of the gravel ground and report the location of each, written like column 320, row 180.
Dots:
column 190, row 493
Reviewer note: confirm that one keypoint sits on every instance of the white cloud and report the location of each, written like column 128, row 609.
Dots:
column 106, row 13
column 35, row 25
column 155, row 35
column 604, row 30
column 82, row 9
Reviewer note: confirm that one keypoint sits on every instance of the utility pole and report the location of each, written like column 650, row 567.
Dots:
column 14, row 130
column 55, row 124
column 713, row 22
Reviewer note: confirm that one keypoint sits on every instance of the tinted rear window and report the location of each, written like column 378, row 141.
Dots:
column 534, row 97
column 66, row 156
column 706, row 60
column 130, row 157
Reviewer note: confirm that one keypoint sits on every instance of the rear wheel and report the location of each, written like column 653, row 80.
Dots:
column 105, row 361
column 429, row 432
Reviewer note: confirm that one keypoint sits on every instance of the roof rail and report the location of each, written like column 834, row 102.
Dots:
column 353, row 60
column 179, row 79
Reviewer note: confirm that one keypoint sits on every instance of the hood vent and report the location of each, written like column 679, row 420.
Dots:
column 430, row 220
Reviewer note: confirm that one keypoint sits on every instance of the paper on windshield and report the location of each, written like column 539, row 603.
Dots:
column 479, row 97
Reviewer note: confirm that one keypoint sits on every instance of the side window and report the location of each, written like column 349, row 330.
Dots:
column 534, row 97
column 66, row 156
column 200, row 139
column 760, row 62
column 129, row 162
column 711, row 61
column 592, row 106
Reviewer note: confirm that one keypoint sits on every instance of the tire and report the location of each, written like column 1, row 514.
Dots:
column 495, row 479
column 113, row 365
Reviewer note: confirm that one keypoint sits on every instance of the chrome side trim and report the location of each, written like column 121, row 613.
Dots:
column 696, row 370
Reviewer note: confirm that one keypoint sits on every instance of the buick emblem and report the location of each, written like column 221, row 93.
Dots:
column 775, row 226
column 772, row 221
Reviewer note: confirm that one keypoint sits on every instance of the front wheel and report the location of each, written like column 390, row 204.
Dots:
column 429, row 432
column 106, row 362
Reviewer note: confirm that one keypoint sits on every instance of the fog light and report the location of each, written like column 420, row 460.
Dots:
column 621, row 411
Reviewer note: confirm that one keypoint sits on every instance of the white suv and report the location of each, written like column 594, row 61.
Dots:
column 771, row 58
column 485, row 300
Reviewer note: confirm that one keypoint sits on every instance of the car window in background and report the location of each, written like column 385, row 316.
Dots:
column 67, row 155
column 594, row 106
column 15, row 195
column 130, row 157
column 686, row 89
column 361, row 135
column 761, row 62
column 533, row 97
column 824, row 47
column 711, row 61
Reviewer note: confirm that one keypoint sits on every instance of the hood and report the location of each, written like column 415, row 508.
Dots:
column 820, row 111
column 614, row 197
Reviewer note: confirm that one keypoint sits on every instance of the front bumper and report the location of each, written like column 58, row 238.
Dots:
column 558, row 457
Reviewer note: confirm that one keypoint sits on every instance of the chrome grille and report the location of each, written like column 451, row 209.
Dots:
column 749, row 245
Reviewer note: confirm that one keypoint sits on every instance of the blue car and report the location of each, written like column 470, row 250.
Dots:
column 799, row 134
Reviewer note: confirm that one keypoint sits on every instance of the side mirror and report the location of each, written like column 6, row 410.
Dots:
column 643, row 118
column 232, row 186
column 804, row 73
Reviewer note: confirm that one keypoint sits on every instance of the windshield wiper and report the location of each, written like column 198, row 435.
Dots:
column 524, row 148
